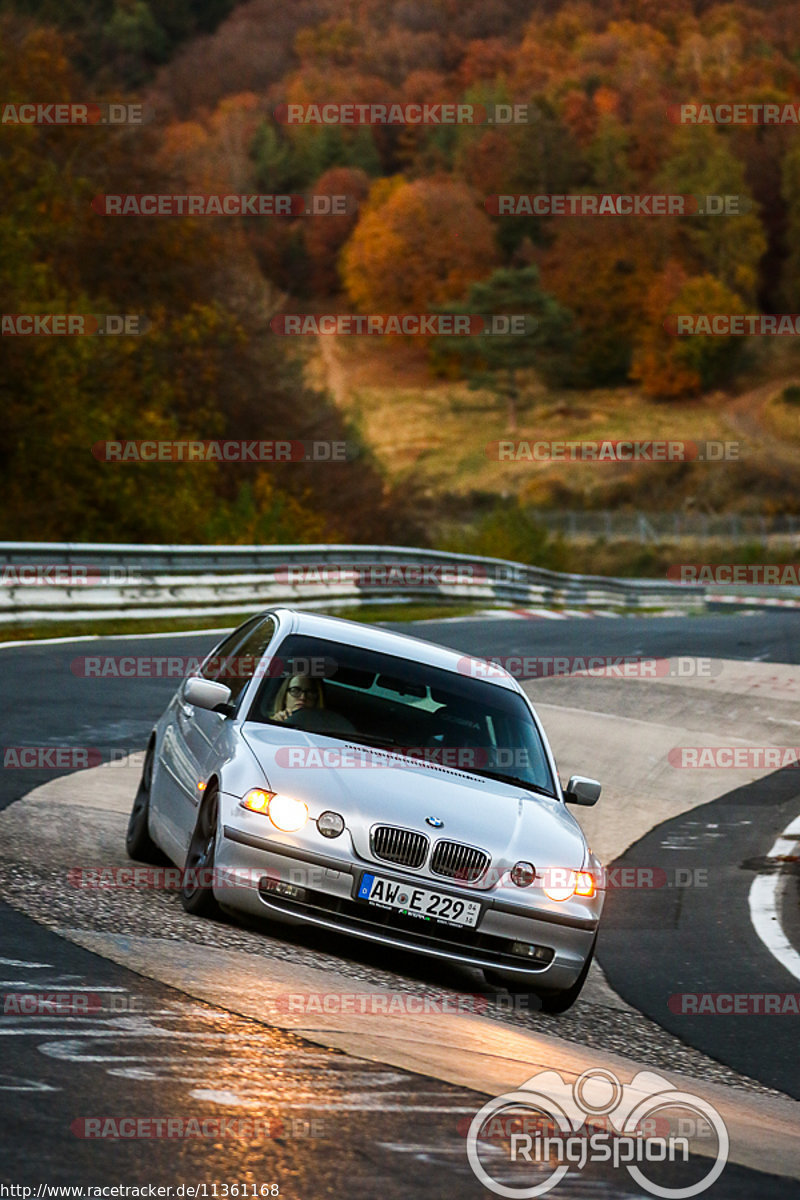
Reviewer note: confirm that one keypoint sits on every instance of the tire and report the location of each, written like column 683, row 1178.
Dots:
column 138, row 843
column 553, row 1002
column 559, row 1002
column 197, row 896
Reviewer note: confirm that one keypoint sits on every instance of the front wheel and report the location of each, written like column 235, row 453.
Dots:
column 138, row 843
column 554, row 1002
column 559, row 1002
column 197, row 896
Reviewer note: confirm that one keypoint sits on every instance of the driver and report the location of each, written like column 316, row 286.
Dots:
column 296, row 693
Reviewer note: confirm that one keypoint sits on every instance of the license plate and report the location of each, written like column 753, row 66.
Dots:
column 418, row 902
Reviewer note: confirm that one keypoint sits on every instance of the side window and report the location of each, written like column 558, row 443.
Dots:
column 213, row 665
column 239, row 667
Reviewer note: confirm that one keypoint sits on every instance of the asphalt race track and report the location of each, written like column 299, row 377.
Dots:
column 165, row 1054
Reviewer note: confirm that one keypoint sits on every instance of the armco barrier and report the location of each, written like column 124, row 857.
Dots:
column 169, row 581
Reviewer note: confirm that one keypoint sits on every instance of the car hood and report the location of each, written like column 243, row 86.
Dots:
column 508, row 822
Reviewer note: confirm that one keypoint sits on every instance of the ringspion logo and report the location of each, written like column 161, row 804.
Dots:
column 533, row 1162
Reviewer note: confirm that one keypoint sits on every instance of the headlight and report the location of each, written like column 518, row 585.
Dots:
column 523, row 874
column 562, row 883
column 286, row 813
column 330, row 824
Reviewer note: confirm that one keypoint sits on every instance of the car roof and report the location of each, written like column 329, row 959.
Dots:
column 369, row 637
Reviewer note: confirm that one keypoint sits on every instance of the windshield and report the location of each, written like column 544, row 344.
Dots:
column 379, row 700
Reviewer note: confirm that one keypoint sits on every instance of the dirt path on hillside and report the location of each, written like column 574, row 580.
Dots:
column 335, row 377
column 745, row 415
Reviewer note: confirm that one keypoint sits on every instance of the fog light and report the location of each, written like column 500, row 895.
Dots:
column 330, row 824
column 278, row 887
column 523, row 874
column 526, row 950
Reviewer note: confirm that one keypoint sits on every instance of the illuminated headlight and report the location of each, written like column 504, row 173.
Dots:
column 286, row 813
column 330, row 824
column 559, row 883
column 562, row 884
column 523, row 874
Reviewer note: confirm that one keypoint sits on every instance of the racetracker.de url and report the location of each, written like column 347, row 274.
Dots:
column 184, row 1191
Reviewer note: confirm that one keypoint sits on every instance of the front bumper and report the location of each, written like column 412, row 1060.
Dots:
column 330, row 885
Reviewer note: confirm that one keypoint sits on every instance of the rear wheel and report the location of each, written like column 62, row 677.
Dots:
column 197, row 896
column 138, row 843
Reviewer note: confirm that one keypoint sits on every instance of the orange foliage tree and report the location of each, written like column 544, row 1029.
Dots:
column 422, row 246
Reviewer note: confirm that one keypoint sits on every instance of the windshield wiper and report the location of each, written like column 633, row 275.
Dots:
column 512, row 779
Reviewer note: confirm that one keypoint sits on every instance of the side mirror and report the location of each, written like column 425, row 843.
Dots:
column 581, row 790
column 208, row 694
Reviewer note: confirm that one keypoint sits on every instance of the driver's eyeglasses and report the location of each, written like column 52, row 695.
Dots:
column 297, row 692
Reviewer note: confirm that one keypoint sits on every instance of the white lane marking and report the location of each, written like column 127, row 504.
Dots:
column 18, row 1084
column 764, row 901
column 117, row 637
column 21, row 962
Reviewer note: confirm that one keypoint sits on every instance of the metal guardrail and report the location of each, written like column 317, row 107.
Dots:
column 50, row 581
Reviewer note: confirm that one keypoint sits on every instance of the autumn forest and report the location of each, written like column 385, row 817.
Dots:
column 597, row 81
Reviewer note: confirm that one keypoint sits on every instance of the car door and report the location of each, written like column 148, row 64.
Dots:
column 175, row 771
column 202, row 734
